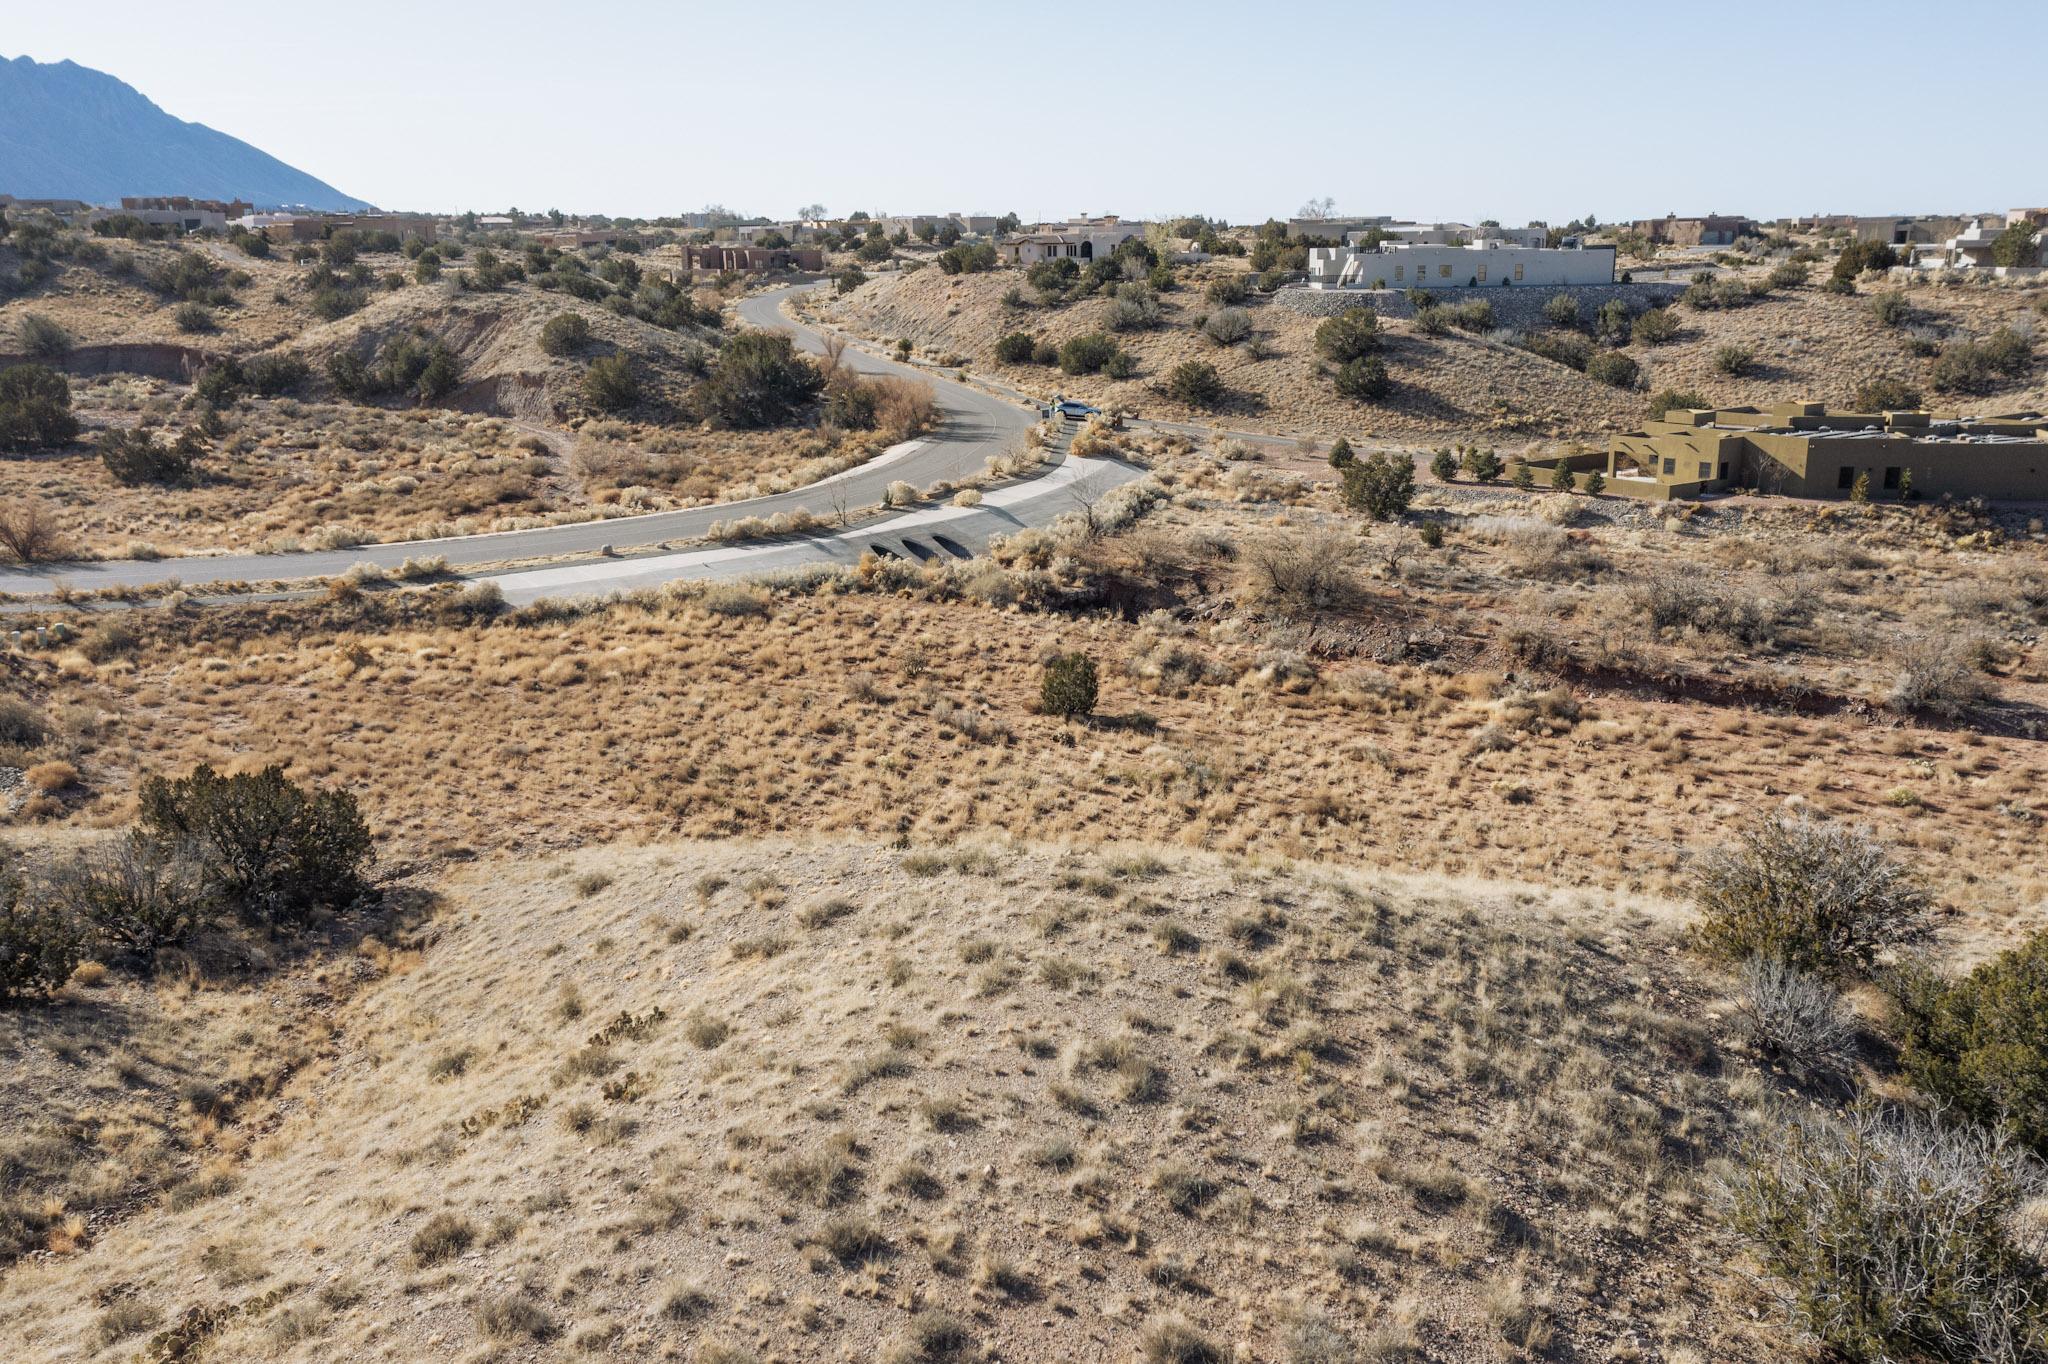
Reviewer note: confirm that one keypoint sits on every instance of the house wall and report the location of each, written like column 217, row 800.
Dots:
column 1453, row 267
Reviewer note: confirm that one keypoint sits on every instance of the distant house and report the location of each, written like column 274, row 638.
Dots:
column 1809, row 450
column 285, row 229
column 1972, row 248
column 1078, row 239
column 1484, row 263
column 1450, row 234
column 576, row 238
column 178, row 211
column 1712, row 230
column 498, row 222
column 716, row 258
column 71, row 212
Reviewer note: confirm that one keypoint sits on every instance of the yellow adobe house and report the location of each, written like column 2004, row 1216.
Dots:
column 1809, row 450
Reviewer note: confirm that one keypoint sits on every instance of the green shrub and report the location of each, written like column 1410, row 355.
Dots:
column 610, row 385
column 1980, row 1044
column 1733, row 360
column 963, row 258
column 1885, row 395
column 1087, row 353
column 1654, row 327
column 1857, row 257
column 1443, row 466
column 1789, row 274
column 758, row 381
column 1229, row 291
column 2015, row 246
column 1614, row 368
column 1564, row 348
column 1195, row 383
column 1825, row 898
column 135, row 457
column 35, row 409
column 1473, row 315
column 1227, row 326
column 1364, row 379
column 1614, row 324
column 1068, row 687
column 849, row 279
column 1483, row 465
column 1978, row 366
column 1121, row 364
column 1431, row 319
column 1891, row 309
column 1349, row 336
column 273, row 850
column 40, row 945
column 1893, row 1236
column 1045, row 353
column 1665, row 399
column 274, row 373
column 41, row 338
column 1381, row 485
column 565, row 334
column 1341, row 456
column 1562, row 310
column 220, row 384
column 194, row 317
column 1136, row 308
column 1016, row 348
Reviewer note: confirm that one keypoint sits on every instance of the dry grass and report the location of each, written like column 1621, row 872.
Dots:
column 1402, row 1089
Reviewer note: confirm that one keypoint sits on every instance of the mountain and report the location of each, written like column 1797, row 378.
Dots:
column 69, row 132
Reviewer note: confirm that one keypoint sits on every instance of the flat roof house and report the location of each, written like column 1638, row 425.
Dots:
column 1713, row 229
column 1810, row 450
column 1480, row 264
column 747, row 260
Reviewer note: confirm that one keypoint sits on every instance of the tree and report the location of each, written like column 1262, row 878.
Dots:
column 1444, row 465
column 1596, row 483
column 137, row 893
column 1015, row 348
column 1340, row 454
column 1524, row 476
column 610, row 385
column 1561, row 479
column 1826, row 898
column 1364, row 379
column 35, row 408
column 1885, row 395
column 134, row 456
column 565, row 334
column 1613, row 367
column 849, row 279
column 1381, row 485
column 2016, row 246
column 439, row 376
column 39, row 944
column 1087, row 353
column 875, row 249
column 1068, row 687
column 41, row 337
column 1353, row 333
column 1483, row 465
column 274, row 850
column 1980, row 1044
column 1317, row 210
column 758, row 380
column 1196, row 383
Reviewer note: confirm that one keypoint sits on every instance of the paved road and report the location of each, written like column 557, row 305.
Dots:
column 973, row 426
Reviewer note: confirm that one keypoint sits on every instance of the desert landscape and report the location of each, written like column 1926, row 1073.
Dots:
column 949, row 787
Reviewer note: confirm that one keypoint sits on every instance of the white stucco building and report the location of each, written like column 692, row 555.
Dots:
column 1080, row 239
column 1450, row 234
column 1491, row 262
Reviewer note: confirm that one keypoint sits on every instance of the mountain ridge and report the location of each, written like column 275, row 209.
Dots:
column 69, row 131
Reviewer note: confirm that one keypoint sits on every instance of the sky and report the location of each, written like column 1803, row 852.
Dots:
column 1461, row 112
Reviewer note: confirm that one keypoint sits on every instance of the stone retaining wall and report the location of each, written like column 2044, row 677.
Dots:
column 1518, row 307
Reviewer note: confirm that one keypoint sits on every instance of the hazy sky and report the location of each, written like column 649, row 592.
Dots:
column 1514, row 111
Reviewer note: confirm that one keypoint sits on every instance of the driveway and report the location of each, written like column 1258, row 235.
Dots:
column 973, row 426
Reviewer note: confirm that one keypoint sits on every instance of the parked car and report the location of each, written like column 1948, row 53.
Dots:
column 1072, row 409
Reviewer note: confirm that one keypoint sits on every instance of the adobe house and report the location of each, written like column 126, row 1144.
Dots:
column 1810, row 450
column 1401, row 265
column 1714, row 229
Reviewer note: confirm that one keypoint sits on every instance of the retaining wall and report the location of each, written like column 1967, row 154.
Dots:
column 1519, row 307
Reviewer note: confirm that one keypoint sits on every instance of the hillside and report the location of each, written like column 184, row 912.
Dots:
column 1802, row 343
column 792, row 1101
column 69, row 132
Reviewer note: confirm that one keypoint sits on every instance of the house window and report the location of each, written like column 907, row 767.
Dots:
column 1724, row 468
column 1670, row 467
column 1891, row 476
column 1443, row 272
column 1482, row 274
column 1400, row 272
column 1518, row 274
column 1845, row 477
column 1706, row 470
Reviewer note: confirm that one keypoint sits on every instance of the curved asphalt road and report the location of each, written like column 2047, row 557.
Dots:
column 973, row 426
